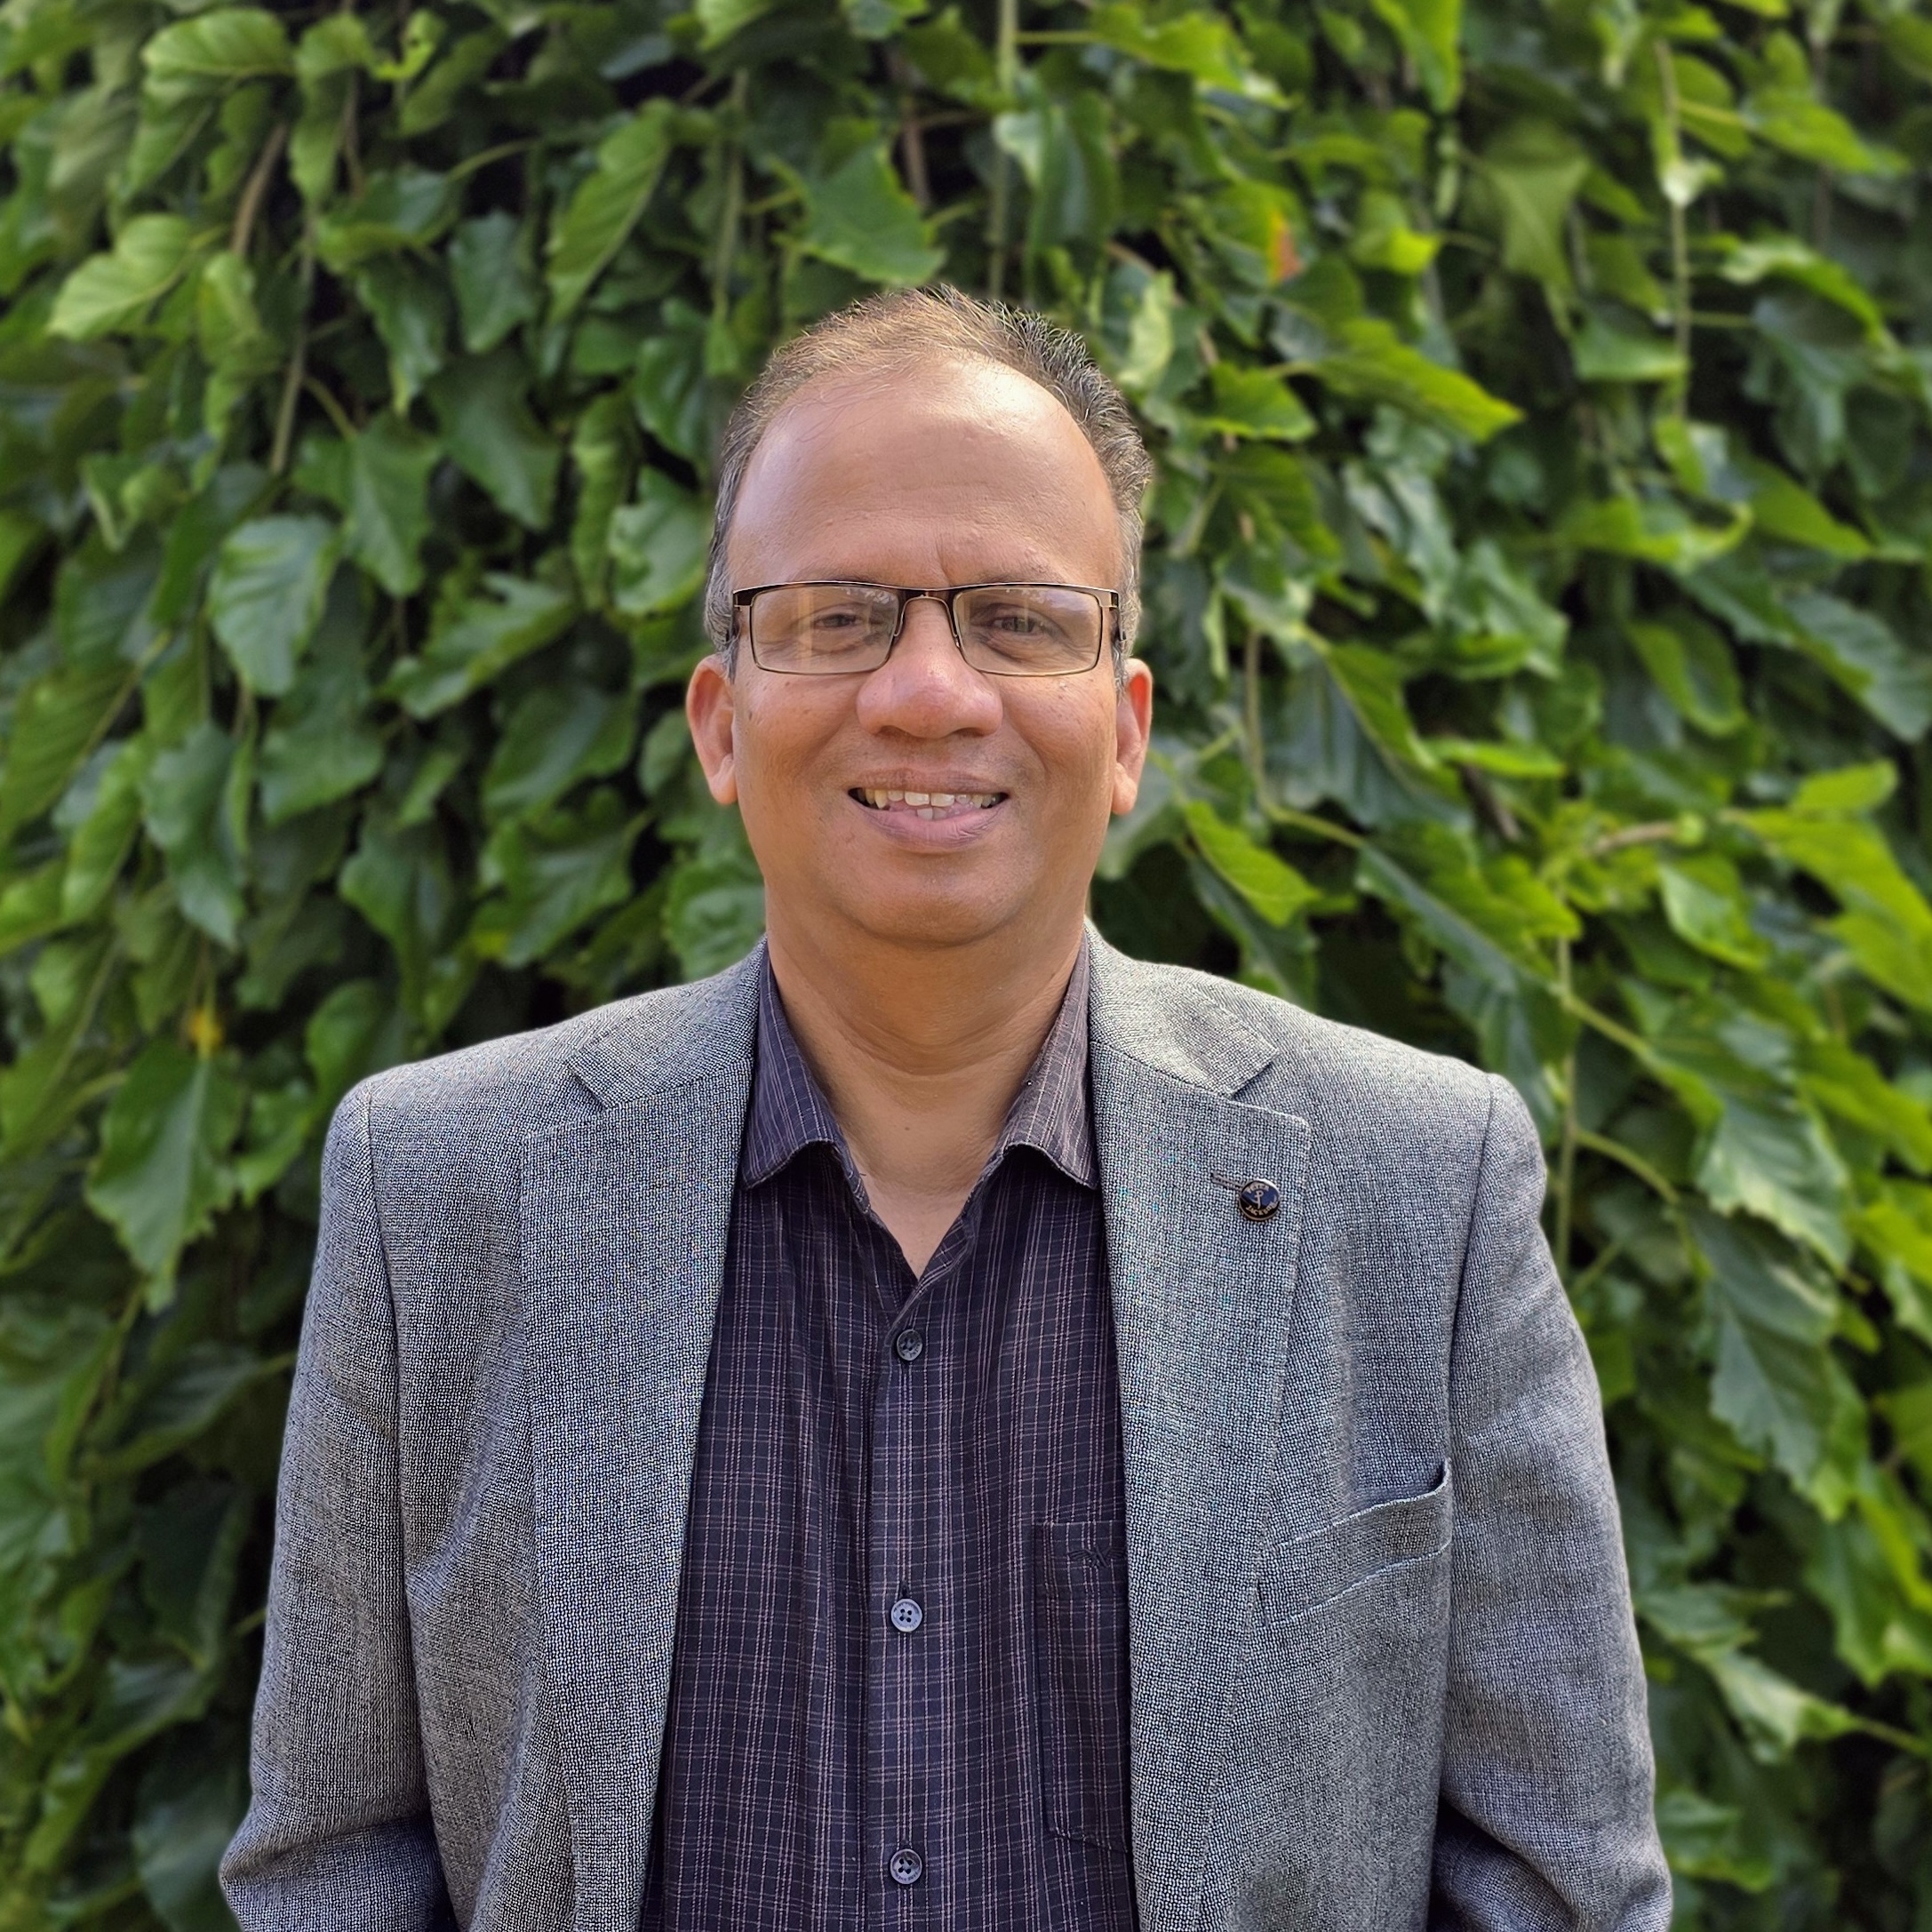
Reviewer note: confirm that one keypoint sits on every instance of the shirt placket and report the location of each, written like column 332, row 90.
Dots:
column 911, row 1590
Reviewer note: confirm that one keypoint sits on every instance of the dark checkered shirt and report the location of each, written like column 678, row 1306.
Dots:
column 900, row 1695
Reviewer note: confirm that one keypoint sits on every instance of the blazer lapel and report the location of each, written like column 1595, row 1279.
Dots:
column 625, row 1216
column 1202, row 1302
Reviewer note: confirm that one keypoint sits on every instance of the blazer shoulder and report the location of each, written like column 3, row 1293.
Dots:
column 505, row 1091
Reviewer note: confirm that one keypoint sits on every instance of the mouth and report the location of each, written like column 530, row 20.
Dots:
column 928, row 805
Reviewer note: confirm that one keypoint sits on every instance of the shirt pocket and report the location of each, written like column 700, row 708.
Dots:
column 1080, row 1680
column 1302, row 1576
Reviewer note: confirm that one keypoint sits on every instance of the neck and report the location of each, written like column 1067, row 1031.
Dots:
column 920, row 1052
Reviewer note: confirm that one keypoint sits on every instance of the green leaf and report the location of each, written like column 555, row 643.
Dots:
column 491, row 271
column 557, row 734
column 609, row 202
column 492, row 437
column 1374, row 364
column 57, row 721
column 859, row 217
column 480, row 640
column 1253, row 403
column 396, row 211
column 1431, row 33
column 1269, row 884
column 265, row 598
column 716, row 909
column 1201, row 45
column 1775, row 1384
column 217, row 50
column 658, row 546
column 1536, row 170
column 379, row 481
column 1694, row 668
column 720, row 18
column 406, row 302
column 111, row 293
column 1705, row 902
column 1606, row 352
column 185, row 797
column 162, row 1175
column 322, row 744
column 556, row 873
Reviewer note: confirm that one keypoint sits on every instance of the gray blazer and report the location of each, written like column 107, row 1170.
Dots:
column 1384, row 1671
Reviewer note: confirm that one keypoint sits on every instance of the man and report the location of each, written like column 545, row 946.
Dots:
column 942, row 1425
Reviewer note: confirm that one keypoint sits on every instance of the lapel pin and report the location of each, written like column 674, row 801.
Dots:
column 1259, row 1199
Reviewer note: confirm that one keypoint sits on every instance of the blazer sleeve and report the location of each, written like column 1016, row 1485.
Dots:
column 1547, row 1815
column 338, row 1836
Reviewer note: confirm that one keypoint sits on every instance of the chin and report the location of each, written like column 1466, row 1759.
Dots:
column 922, row 919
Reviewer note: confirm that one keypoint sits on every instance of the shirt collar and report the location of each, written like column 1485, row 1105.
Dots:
column 789, row 1112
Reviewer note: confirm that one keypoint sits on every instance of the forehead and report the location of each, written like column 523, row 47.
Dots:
column 945, row 471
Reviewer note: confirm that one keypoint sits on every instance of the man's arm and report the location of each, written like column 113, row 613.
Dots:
column 339, row 1834
column 1547, row 1815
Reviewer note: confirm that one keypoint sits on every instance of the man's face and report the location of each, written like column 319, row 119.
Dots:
column 961, row 473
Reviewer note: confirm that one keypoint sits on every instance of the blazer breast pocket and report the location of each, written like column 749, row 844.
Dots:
column 1300, row 1576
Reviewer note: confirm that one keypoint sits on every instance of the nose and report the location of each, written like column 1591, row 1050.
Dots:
column 926, row 689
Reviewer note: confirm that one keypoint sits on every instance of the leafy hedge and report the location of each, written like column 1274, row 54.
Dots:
column 1537, row 589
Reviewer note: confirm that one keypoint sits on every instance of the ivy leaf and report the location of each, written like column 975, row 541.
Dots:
column 379, row 479
column 185, row 794
column 58, row 719
column 716, row 909
column 1253, row 403
column 490, row 269
column 658, row 546
column 1704, row 901
column 112, row 293
column 510, row 618
column 1269, row 884
column 859, row 217
column 265, row 598
column 1431, row 32
column 1776, row 1383
column 217, row 50
column 162, row 1176
column 397, row 211
column 322, row 744
column 556, row 874
column 1201, row 45
column 608, row 203
column 492, row 437
column 557, row 734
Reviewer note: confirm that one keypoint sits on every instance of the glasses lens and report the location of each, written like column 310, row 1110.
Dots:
column 1030, row 630
column 823, row 629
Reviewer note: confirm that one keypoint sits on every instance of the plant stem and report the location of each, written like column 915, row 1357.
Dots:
column 1007, row 69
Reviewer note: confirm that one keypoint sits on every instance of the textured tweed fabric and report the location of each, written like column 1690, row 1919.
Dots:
column 974, row 1490
column 1383, row 1670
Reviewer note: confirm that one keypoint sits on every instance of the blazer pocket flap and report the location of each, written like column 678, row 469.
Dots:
column 1300, row 1574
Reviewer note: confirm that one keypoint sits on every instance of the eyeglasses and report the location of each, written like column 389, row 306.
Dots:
column 1009, row 630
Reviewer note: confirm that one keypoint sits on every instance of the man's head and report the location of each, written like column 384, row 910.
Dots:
column 925, row 441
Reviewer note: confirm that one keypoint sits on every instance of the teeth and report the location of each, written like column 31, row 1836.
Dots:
column 927, row 804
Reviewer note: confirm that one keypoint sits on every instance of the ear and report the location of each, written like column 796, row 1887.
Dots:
column 711, row 706
column 1133, row 721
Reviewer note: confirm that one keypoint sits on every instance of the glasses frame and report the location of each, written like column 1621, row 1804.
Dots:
column 946, row 596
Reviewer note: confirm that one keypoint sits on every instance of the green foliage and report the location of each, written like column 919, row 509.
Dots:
column 1537, row 588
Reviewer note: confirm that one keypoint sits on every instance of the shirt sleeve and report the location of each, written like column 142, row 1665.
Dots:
column 338, row 1834
column 1547, row 1815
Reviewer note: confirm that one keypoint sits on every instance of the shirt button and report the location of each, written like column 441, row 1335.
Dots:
column 906, row 1615
column 906, row 1866
column 909, row 1344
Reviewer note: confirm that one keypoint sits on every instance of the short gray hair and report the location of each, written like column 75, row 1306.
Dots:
column 888, row 334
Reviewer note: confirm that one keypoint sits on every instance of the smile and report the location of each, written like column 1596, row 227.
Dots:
column 927, row 804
